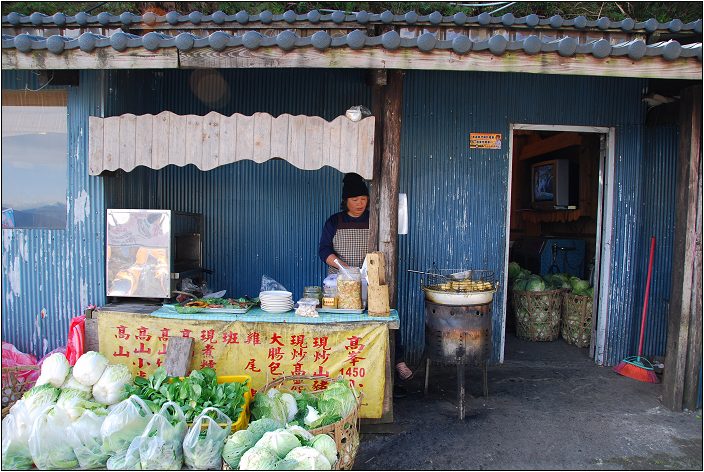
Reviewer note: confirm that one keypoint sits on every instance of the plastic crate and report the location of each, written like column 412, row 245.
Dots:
column 243, row 420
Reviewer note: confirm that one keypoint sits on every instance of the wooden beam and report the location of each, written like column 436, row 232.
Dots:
column 344, row 58
column 553, row 143
column 389, row 175
column 101, row 58
column 684, row 283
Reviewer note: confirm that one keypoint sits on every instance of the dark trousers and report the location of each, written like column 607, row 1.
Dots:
column 399, row 350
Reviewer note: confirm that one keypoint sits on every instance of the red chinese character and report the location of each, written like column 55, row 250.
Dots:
column 143, row 334
column 121, row 333
column 299, row 354
column 276, row 354
column 321, row 372
column 274, row 367
column 354, row 343
column 208, row 335
column 121, row 353
column 320, row 384
column 321, row 356
column 297, row 340
column 320, row 343
column 208, row 350
column 354, row 358
column 186, row 333
column 209, row 363
column 141, row 363
column 275, row 338
column 230, row 338
column 298, row 370
column 252, row 338
column 142, row 374
column 159, row 362
column 143, row 350
column 163, row 350
column 250, row 366
column 164, row 334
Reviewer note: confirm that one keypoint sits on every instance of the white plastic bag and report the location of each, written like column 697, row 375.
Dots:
column 161, row 444
column 126, row 460
column 47, row 441
column 84, row 437
column 124, row 422
column 16, row 427
column 206, row 453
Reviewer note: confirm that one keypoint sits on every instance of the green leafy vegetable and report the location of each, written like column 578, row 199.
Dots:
column 236, row 445
column 258, row 458
column 280, row 442
column 308, row 458
column 261, row 426
column 89, row 367
column 54, row 370
column 326, row 446
column 41, row 395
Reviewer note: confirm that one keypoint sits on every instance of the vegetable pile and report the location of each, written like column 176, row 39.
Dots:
column 193, row 394
column 521, row 280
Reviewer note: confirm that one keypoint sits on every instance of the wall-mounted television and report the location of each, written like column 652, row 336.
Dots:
column 550, row 184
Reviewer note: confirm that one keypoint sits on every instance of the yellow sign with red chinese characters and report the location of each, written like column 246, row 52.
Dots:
column 264, row 351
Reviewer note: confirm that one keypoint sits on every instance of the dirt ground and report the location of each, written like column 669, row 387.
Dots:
column 549, row 408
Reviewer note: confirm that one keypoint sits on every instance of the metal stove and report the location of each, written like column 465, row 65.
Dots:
column 458, row 322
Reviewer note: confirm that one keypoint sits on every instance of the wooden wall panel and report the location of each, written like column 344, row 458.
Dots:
column 307, row 142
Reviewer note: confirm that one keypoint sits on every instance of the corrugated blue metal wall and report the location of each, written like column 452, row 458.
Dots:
column 265, row 218
column 50, row 276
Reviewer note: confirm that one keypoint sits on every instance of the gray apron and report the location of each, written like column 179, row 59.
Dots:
column 350, row 243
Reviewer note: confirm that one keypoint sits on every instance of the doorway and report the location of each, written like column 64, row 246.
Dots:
column 558, row 217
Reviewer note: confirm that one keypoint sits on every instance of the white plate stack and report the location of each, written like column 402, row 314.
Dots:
column 276, row 301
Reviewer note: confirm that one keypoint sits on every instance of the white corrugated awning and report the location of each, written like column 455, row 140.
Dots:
column 154, row 141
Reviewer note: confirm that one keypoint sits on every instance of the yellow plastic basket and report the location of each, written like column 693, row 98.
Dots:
column 243, row 420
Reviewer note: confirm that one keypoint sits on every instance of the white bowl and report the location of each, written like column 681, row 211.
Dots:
column 275, row 293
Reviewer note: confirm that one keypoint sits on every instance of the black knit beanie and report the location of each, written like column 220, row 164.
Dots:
column 354, row 186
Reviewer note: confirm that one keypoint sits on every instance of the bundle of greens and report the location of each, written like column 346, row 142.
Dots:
column 161, row 443
column 202, row 448
column 193, row 394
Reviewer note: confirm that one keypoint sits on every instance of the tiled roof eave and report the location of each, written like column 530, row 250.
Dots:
column 685, row 66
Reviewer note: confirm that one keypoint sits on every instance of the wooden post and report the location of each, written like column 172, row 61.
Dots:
column 389, row 186
column 377, row 290
column 684, row 327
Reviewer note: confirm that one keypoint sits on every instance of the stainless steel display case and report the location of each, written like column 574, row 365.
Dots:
column 150, row 252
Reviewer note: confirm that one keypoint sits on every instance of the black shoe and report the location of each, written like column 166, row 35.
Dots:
column 399, row 391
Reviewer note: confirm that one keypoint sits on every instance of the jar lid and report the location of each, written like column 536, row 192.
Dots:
column 312, row 288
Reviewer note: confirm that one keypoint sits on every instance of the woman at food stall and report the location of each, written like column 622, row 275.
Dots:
column 345, row 238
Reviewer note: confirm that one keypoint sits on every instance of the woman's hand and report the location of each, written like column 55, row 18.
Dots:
column 331, row 261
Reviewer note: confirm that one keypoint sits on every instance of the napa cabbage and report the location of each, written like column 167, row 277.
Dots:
column 111, row 385
column 54, row 370
column 338, row 399
column 69, row 394
column 89, row 367
column 270, row 406
column 72, row 383
column 39, row 396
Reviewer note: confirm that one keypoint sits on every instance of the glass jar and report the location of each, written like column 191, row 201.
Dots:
column 313, row 292
column 349, row 289
column 330, row 296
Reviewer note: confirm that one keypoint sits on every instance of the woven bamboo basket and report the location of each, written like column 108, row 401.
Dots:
column 577, row 319
column 345, row 432
column 13, row 387
column 538, row 314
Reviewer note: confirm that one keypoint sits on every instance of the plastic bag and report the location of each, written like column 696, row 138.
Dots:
column 47, row 441
column 84, row 438
column 76, row 335
column 269, row 284
column 126, row 421
column 161, row 444
column 205, row 453
column 12, row 357
column 126, row 460
column 358, row 112
column 16, row 428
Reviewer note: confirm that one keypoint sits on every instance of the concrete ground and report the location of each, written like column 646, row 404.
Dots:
column 549, row 408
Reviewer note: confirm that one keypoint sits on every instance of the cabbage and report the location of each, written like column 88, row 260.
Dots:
column 267, row 407
column 280, row 442
column 327, row 447
column 54, row 370
column 291, row 406
column 579, row 287
column 89, row 367
column 589, row 292
column 68, row 394
column 535, row 284
column 39, row 396
column 261, row 426
column 308, row 458
column 312, row 416
column 337, row 399
column 111, row 384
column 76, row 407
column 301, row 433
column 236, row 445
column 258, row 458
column 71, row 382
column 520, row 284
column 513, row 270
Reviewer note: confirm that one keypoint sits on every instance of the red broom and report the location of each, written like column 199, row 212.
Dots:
column 637, row 367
